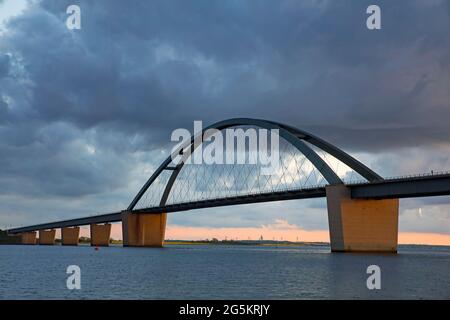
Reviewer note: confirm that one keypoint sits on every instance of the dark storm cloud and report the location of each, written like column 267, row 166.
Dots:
column 161, row 64
column 79, row 108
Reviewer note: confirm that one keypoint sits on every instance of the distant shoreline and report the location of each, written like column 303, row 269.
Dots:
column 243, row 243
column 5, row 240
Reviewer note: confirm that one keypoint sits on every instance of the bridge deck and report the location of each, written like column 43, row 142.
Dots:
column 405, row 187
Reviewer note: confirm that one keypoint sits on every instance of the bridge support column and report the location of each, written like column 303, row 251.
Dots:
column 143, row 230
column 70, row 236
column 28, row 237
column 47, row 237
column 100, row 234
column 359, row 225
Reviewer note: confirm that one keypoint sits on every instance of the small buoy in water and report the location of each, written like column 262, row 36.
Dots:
column 96, row 248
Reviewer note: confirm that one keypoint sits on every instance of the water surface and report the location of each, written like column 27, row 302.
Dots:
column 221, row 272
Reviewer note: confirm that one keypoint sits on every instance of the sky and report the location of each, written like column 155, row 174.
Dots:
column 86, row 115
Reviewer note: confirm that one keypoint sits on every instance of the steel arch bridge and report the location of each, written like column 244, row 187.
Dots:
column 362, row 216
column 298, row 139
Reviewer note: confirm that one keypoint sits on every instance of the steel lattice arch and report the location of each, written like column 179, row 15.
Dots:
column 307, row 162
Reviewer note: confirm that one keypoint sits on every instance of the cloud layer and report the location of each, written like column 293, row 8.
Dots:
column 86, row 115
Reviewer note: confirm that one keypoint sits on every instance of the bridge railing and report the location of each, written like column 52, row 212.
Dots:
column 403, row 177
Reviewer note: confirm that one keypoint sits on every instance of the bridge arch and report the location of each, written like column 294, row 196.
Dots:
column 292, row 135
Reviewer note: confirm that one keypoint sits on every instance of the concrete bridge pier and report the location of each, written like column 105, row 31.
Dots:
column 359, row 225
column 100, row 234
column 47, row 237
column 143, row 230
column 28, row 237
column 70, row 236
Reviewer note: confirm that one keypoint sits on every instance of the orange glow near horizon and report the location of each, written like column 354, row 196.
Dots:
column 280, row 230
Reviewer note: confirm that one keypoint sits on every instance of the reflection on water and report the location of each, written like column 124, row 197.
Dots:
column 221, row 272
